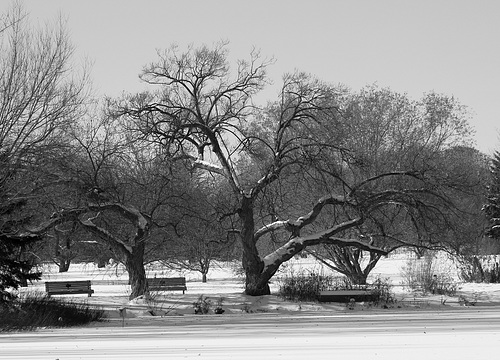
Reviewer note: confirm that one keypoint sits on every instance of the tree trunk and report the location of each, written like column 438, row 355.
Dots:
column 204, row 267
column 64, row 264
column 23, row 281
column 477, row 269
column 102, row 262
column 256, row 283
column 63, row 252
column 357, row 275
column 357, row 278
column 134, row 263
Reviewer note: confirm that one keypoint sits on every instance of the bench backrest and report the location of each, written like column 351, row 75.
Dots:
column 55, row 286
column 176, row 281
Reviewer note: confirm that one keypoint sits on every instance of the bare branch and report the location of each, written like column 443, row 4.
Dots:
column 297, row 244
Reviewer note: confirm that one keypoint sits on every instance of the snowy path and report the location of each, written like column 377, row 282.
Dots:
column 470, row 333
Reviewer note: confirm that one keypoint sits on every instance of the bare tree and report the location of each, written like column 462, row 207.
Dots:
column 63, row 249
column 201, row 239
column 390, row 133
column 199, row 114
column 204, row 113
column 40, row 95
column 118, row 192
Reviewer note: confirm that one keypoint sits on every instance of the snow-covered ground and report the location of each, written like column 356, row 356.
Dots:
column 460, row 333
column 266, row 327
column 111, row 291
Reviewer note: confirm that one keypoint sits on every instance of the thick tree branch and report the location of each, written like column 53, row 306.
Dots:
column 296, row 225
column 205, row 165
column 297, row 244
column 131, row 213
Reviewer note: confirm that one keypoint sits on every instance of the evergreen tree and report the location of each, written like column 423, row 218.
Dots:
column 492, row 208
column 15, row 267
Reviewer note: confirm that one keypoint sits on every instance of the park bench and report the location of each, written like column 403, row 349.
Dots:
column 68, row 287
column 345, row 296
column 167, row 284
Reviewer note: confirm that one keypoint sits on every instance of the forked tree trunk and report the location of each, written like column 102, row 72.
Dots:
column 260, row 271
column 357, row 278
column 356, row 274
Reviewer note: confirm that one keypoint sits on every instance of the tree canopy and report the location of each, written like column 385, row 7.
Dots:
column 321, row 165
column 315, row 138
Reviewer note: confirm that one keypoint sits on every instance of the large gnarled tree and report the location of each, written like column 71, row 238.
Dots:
column 203, row 112
column 118, row 193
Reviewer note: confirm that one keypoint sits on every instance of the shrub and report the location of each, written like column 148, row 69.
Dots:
column 470, row 268
column 417, row 274
column 422, row 275
column 218, row 306
column 202, row 305
column 479, row 268
column 303, row 286
column 492, row 275
column 382, row 289
column 444, row 285
column 40, row 311
column 343, row 283
column 156, row 304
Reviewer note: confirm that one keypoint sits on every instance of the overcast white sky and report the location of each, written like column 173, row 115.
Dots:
column 449, row 46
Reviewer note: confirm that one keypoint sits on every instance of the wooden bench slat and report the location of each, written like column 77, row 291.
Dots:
column 165, row 284
column 345, row 296
column 68, row 287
